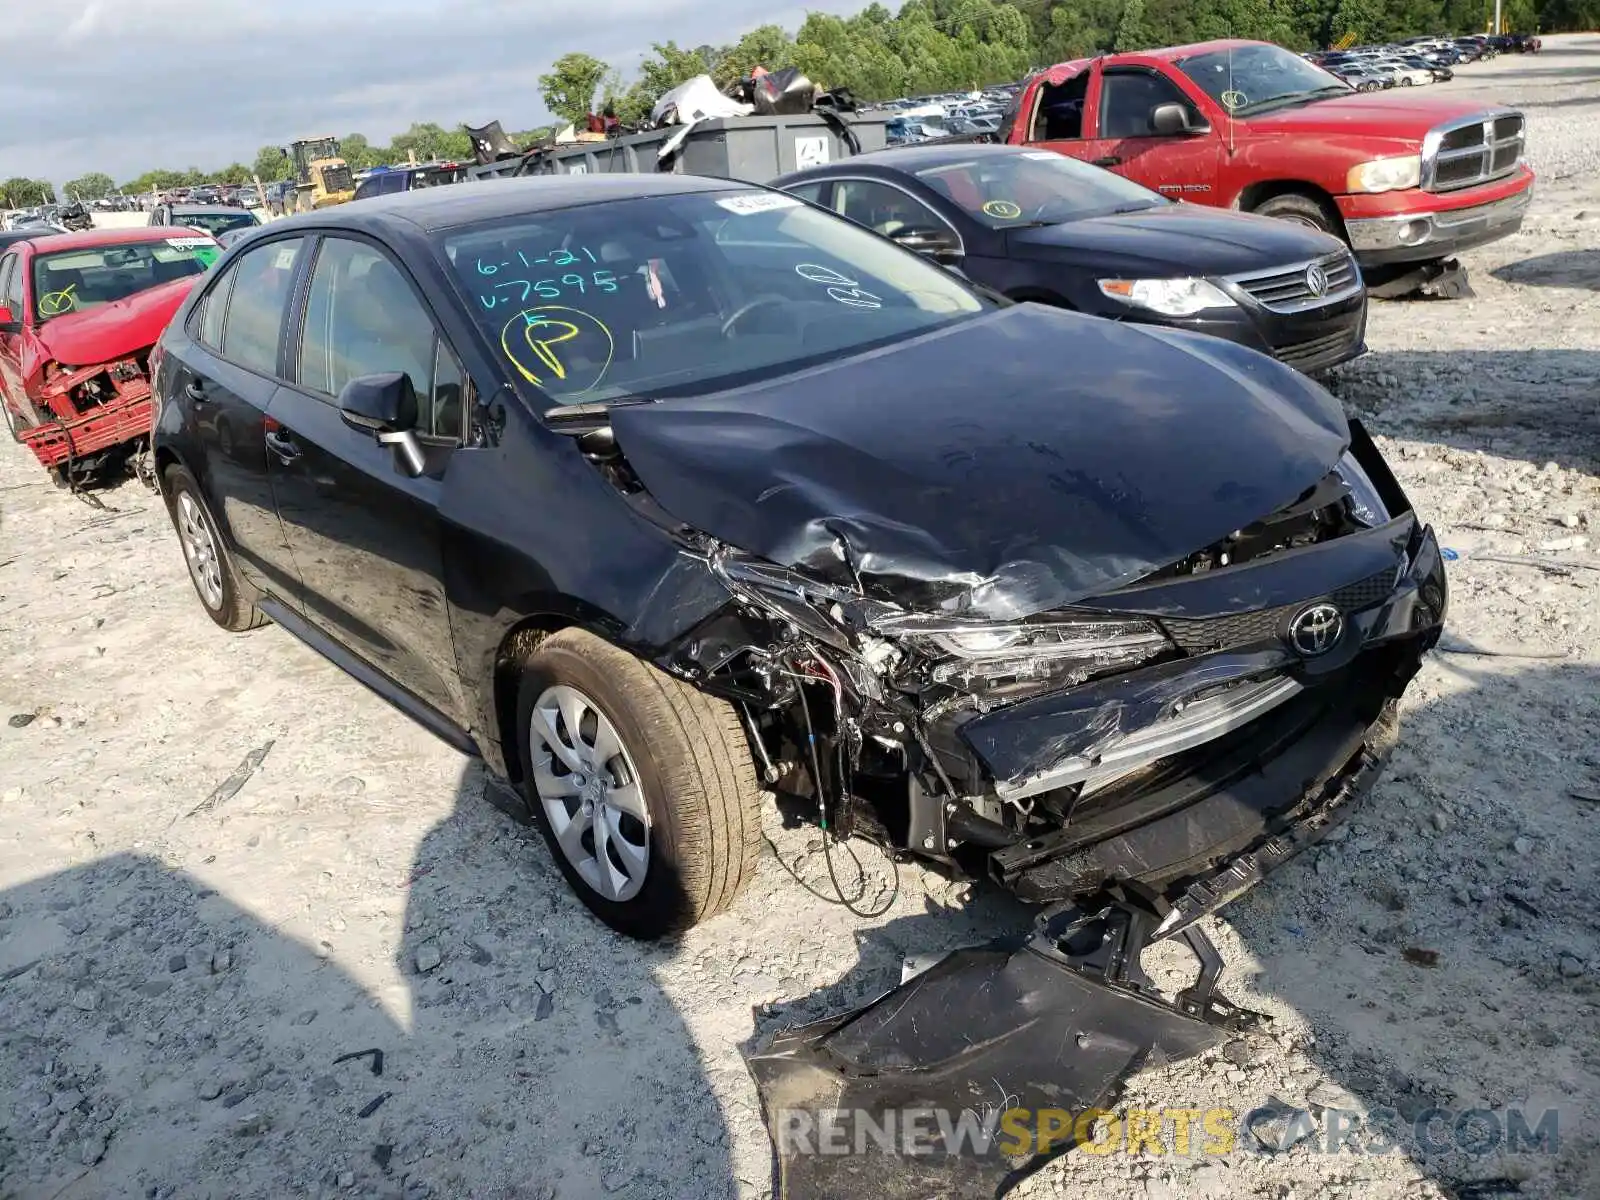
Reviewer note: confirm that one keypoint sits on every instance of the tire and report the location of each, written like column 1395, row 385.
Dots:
column 691, row 773
column 1300, row 208
column 226, row 598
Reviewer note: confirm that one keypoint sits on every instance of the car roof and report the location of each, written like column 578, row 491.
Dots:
column 197, row 209
column 907, row 158
column 467, row 203
column 90, row 238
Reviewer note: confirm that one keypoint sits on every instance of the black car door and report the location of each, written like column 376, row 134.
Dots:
column 225, row 378
column 365, row 533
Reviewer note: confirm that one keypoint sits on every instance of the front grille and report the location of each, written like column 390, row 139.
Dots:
column 1292, row 289
column 1201, row 635
column 1319, row 352
column 1473, row 152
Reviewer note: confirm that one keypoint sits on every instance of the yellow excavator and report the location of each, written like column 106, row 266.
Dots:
column 322, row 178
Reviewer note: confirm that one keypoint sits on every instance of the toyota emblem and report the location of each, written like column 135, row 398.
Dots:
column 1316, row 280
column 1315, row 630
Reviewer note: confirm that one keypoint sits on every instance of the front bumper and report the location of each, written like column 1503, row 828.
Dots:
column 62, row 442
column 1420, row 236
column 1187, row 796
column 968, row 1077
column 1311, row 340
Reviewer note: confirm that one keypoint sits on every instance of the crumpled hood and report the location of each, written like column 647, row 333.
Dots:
column 1187, row 239
column 111, row 331
column 1004, row 465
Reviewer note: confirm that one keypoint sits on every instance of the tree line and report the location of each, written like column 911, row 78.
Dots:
column 928, row 46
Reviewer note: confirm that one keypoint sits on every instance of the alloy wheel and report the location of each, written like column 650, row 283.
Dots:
column 200, row 551
column 590, row 792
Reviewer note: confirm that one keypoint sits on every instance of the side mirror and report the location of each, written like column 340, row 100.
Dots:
column 385, row 405
column 1176, row 120
column 8, row 321
column 936, row 243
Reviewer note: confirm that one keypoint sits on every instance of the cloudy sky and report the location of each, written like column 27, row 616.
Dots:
column 122, row 86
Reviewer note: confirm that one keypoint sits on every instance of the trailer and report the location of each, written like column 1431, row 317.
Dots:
column 755, row 149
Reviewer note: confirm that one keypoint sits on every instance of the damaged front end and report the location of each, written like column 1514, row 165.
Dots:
column 81, row 415
column 1186, row 733
column 1124, row 672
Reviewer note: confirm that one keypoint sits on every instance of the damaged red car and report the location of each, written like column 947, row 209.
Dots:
column 79, row 314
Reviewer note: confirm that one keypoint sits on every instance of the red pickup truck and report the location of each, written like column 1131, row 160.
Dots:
column 1403, row 178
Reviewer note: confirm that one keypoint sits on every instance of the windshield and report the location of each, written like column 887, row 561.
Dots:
column 214, row 223
column 680, row 294
column 1251, row 78
column 74, row 280
column 1034, row 187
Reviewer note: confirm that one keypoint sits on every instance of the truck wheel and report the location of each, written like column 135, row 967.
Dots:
column 216, row 581
column 643, row 786
column 1302, row 209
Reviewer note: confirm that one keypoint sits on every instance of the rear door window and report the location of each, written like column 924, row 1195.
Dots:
column 262, row 281
column 213, row 310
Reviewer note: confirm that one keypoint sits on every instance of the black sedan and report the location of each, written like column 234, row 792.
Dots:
column 657, row 492
column 1044, row 227
column 215, row 219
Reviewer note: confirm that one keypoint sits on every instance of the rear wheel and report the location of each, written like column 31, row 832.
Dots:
column 1301, row 209
column 643, row 787
column 216, row 581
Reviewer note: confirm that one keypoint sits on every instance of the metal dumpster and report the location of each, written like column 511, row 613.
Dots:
column 754, row 149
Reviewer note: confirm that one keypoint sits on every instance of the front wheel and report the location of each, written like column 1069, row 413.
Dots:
column 1301, row 209
column 643, row 787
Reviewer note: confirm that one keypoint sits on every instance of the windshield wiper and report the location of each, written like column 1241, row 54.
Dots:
column 577, row 417
column 1293, row 98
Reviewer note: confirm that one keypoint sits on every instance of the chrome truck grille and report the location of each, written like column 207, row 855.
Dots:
column 1472, row 151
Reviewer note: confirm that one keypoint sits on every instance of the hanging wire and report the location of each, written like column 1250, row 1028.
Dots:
column 830, row 839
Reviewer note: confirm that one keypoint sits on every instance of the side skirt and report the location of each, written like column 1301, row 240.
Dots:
column 420, row 711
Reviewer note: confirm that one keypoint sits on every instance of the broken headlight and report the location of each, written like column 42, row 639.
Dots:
column 1365, row 503
column 1066, row 650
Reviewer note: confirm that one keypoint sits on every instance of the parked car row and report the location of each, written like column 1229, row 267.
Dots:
column 1410, row 63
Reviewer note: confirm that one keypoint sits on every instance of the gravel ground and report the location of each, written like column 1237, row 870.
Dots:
column 224, row 865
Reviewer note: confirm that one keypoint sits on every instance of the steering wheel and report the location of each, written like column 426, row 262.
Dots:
column 748, row 307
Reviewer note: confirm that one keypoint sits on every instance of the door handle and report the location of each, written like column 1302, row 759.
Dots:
column 1111, row 160
column 283, row 447
column 196, row 391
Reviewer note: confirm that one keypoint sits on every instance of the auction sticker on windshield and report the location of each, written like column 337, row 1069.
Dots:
column 745, row 205
column 203, row 250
